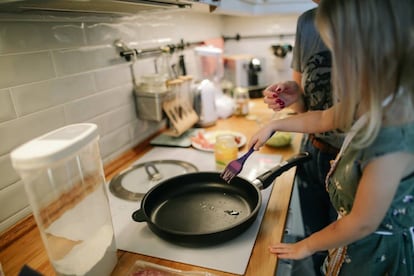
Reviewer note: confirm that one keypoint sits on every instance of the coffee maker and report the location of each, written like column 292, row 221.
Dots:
column 245, row 71
column 254, row 70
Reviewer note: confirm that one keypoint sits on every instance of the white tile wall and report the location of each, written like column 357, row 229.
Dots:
column 42, row 95
column 61, row 70
column 274, row 26
column 17, row 69
column 6, row 106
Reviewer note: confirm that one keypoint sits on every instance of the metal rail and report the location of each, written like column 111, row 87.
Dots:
column 240, row 37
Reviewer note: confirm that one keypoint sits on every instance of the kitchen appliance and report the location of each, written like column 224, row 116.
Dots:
column 204, row 103
column 202, row 209
column 235, row 69
column 231, row 256
column 245, row 71
column 210, row 73
column 64, row 181
column 254, row 70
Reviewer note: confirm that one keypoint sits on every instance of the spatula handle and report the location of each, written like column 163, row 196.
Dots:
column 247, row 154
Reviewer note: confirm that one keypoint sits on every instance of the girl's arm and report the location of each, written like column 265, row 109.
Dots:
column 299, row 106
column 375, row 192
column 309, row 122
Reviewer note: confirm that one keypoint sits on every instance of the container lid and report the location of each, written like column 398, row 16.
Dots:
column 53, row 146
column 133, row 183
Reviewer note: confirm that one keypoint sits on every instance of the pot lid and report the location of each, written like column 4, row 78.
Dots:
column 133, row 183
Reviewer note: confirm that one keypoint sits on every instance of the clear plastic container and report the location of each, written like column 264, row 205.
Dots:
column 225, row 150
column 64, row 181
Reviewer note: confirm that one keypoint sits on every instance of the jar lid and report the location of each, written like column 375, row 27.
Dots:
column 240, row 90
column 46, row 150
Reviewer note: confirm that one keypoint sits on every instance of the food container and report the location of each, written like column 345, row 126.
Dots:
column 225, row 150
column 241, row 99
column 64, row 181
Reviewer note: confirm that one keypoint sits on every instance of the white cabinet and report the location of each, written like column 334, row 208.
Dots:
column 263, row 7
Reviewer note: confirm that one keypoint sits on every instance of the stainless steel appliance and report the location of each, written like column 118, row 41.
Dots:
column 245, row 71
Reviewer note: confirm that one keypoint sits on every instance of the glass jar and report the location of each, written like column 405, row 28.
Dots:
column 241, row 100
column 225, row 150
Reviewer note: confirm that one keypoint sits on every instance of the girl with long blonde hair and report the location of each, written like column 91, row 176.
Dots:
column 371, row 181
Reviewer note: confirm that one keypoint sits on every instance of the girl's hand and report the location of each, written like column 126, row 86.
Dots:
column 293, row 251
column 281, row 95
column 259, row 138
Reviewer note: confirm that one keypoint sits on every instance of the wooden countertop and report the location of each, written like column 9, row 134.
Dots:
column 22, row 244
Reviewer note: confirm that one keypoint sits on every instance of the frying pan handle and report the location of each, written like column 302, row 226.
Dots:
column 138, row 216
column 266, row 179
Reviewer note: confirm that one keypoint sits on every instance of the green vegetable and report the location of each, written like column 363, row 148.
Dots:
column 280, row 139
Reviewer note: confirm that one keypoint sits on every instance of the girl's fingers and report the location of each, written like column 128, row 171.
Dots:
column 280, row 102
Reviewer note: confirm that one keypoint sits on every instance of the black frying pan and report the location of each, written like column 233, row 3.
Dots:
column 202, row 209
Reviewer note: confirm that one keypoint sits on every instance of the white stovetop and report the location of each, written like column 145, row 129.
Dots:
column 232, row 256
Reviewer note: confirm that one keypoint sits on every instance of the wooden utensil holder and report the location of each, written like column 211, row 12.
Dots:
column 180, row 113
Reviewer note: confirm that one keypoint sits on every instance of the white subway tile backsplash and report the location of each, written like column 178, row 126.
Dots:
column 7, row 172
column 75, row 60
column 24, row 68
column 116, row 154
column 105, row 33
column 16, row 132
column 278, row 28
column 43, row 35
column 141, row 129
column 112, row 77
column 118, row 117
column 7, row 111
column 16, row 199
column 97, row 104
column 15, row 218
column 46, row 94
column 113, row 141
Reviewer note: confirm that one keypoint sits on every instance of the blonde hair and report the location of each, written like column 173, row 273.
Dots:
column 373, row 57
